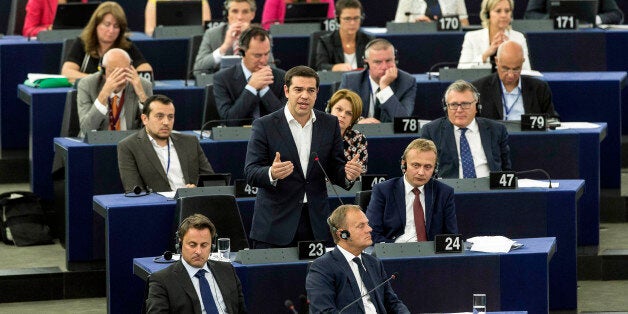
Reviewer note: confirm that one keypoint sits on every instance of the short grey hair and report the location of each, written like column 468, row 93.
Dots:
column 461, row 86
column 105, row 58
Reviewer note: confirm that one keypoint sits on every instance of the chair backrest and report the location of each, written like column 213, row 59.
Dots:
column 65, row 50
column 194, row 43
column 70, row 126
column 314, row 37
column 210, row 111
column 363, row 198
column 183, row 31
column 222, row 210
column 294, row 28
column 16, row 17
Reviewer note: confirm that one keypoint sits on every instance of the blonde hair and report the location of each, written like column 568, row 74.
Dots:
column 338, row 219
column 487, row 6
column 422, row 145
column 90, row 35
column 352, row 97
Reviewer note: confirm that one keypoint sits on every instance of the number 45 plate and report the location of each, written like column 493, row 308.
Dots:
column 448, row 243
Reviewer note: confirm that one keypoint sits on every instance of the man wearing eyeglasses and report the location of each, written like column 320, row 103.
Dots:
column 468, row 146
column 507, row 94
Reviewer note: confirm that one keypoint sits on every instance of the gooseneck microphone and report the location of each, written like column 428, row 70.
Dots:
column 536, row 171
column 315, row 156
column 395, row 275
column 305, row 304
column 290, row 306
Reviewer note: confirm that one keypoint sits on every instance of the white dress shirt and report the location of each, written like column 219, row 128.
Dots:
column 477, row 42
column 475, row 143
column 409, row 232
column 216, row 293
column 369, row 306
column 382, row 96
column 168, row 154
column 418, row 7
column 104, row 109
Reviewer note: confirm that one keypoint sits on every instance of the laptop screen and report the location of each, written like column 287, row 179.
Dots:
column 74, row 15
column 306, row 12
column 584, row 10
column 174, row 13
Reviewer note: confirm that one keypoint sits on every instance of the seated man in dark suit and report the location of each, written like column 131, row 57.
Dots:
column 506, row 95
column 112, row 98
column 608, row 11
column 396, row 210
column 158, row 159
column 386, row 91
column 468, row 146
column 341, row 276
column 195, row 284
column 251, row 89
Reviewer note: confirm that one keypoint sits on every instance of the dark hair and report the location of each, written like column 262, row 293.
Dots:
column 196, row 221
column 301, row 71
column 351, row 4
column 250, row 33
column 157, row 97
column 90, row 36
column 251, row 3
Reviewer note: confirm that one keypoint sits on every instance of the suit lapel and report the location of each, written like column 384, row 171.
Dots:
column 186, row 285
column 147, row 147
column 485, row 136
column 365, row 93
column 527, row 94
column 497, row 97
column 400, row 199
column 449, row 144
column 429, row 208
column 316, row 141
column 376, row 297
column 129, row 100
column 346, row 269
column 182, row 155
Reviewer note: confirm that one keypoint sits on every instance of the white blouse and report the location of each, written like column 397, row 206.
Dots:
column 418, row 7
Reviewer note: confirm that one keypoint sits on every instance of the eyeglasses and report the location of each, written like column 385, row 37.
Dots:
column 510, row 71
column 351, row 19
column 463, row 105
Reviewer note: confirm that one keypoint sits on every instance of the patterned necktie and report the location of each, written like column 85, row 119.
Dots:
column 115, row 110
column 468, row 167
column 206, row 293
column 378, row 110
column 419, row 216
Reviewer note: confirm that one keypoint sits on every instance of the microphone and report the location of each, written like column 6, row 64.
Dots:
column 446, row 64
column 222, row 123
column 408, row 13
column 315, row 156
column 305, row 304
column 290, row 306
column 395, row 275
column 537, row 170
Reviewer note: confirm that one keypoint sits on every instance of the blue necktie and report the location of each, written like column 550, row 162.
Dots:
column 378, row 106
column 433, row 7
column 206, row 293
column 468, row 168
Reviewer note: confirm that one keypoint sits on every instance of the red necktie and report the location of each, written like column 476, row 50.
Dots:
column 115, row 108
column 419, row 217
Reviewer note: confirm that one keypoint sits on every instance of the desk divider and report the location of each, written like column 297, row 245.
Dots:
column 409, row 249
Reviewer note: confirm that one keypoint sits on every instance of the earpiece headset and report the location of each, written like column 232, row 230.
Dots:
column 344, row 233
column 225, row 10
column 138, row 191
column 476, row 93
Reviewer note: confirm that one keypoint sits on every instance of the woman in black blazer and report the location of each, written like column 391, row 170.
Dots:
column 343, row 49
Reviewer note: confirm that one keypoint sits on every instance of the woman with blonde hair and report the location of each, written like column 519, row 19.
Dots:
column 480, row 47
column 106, row 29
column 347, row 106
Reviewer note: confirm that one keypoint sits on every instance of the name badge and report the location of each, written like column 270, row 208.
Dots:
column 369, row 180
column 311, row 249
column 448, row 23
column 500, row 180
column 448, row 243
column 242, row 189
column 565, row 21
column 534, row 122
column 406, row 125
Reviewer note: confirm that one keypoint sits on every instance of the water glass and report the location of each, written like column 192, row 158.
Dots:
column 479, row 303
column 224, row 248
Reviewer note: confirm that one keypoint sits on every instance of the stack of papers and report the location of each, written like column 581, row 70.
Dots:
column 492, row 244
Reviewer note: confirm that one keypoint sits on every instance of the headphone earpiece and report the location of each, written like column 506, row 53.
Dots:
column 139, row 191
column 225, row 11
column 345, row 234
column 328, row 107
column 478, row 104
column 403, row 167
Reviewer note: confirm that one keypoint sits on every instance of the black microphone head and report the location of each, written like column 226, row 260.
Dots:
column 314, row 155
column 395, row 275
column 303, row 299
column 288, row 303
column 408, row 13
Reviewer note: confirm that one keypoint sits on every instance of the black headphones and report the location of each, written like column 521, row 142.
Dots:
column 344, row 233
column 476, row 94
column 225, row 11
column 138, row 191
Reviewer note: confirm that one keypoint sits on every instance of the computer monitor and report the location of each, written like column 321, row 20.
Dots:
column 175, row 13
column 584, row 10
column 306, row 12
column 74, row 15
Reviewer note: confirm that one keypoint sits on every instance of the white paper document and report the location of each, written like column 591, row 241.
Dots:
column 577, row 125
column 491, row 244
column 529, row 183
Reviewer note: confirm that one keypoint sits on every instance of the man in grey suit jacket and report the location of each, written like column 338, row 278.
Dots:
column 222, row 40
column 180, row 288
column 486, row 139
column 251, row 89
column 157, row 159
column 386, row 91
column 111, row 99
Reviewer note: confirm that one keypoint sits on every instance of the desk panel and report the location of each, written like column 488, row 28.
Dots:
column 456, row 276
column 560, row 202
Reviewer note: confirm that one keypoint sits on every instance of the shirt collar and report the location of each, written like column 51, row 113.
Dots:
column 191, row 269
column 348, row 255
column 152, row 141
column 247, row 73
column 290, row 117
column 515, row 91
column 374, row 85
column 119, row 94
column 473, row 126
column 408, row 187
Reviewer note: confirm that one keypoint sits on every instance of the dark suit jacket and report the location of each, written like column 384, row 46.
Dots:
column 537, row 96
column 329, row 50
column 608, row 11
column 233, row 101
column 139, row 165
column 331, row 286
column 170, row 290
column 278, row 208
column 494, row 139
column 91, row 119
column 401, row 104
column 387, row 210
